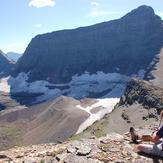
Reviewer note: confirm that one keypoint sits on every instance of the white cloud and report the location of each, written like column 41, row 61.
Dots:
column 42, row 3
column 97, row 11
column 38, row 25
column 95, row 4
column 160, row 14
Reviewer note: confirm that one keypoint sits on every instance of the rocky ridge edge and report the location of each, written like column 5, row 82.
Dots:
column 112, row 148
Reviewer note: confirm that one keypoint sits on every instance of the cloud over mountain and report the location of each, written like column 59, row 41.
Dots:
column 42, row 3
column 38, row 25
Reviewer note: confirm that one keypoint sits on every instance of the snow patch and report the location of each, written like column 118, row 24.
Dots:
column 20, row 84
column 85, row 84
column 4, row 86
column 107, row 105
column 95, row 85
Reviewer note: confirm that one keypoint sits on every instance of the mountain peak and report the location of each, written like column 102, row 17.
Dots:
column 142, row 12
column 144, row 8
column 138, row 34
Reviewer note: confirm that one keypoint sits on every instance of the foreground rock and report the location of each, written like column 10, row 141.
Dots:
column 112, row 148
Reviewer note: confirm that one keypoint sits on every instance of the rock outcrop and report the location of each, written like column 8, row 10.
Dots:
column 126, row 46
column 143, row 92
column 5, row 65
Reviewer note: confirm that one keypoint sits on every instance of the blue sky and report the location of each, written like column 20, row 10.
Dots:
column 21, row 20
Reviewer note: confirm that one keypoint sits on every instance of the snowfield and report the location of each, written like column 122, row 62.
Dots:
column 4, row 86
column 106, row 106
column 85, row 85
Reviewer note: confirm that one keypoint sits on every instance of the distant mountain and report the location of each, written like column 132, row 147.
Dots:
column 13, row 56
column 126, row 46
column 5, row 64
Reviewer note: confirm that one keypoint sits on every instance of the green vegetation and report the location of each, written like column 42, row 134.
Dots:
column 10, row 135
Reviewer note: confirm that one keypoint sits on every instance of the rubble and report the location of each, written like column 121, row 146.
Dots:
column 113, row 148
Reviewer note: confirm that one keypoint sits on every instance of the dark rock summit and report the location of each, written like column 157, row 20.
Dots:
column 141, row 12
column 125, row 46
column 5, row 64
column 143, row 92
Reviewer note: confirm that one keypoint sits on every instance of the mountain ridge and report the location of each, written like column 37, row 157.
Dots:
column 66, row 56
column 5, row 65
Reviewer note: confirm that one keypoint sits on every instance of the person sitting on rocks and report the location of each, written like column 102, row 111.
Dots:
column 153, row 149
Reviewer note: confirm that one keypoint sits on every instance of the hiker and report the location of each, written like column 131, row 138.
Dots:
column 154, row 149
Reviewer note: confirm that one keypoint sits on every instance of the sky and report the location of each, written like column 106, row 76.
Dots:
column 21, row 20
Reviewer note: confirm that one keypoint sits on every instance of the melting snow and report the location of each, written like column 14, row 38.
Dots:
column 107, row 104
column 85, row 84
column 4, row 86
column 79, row 87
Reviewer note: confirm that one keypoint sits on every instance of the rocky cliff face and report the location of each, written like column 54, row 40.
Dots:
column 157, row 72
column 125, row 46
column 143, row 92
column 5, row 64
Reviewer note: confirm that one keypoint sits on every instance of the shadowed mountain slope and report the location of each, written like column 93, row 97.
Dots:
column 5, row 64
column 126, row 46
